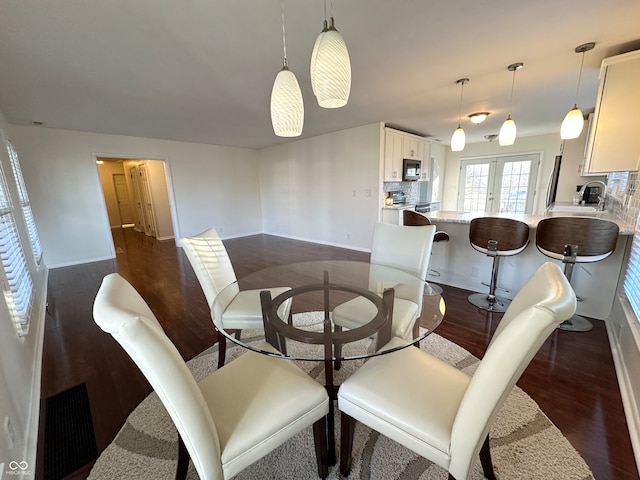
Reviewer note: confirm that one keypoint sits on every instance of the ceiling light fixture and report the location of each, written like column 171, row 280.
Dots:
column 458, row 138
column 478, row 117
column 330, row 67
column 574, row 120
column 507, row 133
column 287, row 107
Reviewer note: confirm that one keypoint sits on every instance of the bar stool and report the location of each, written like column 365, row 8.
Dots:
column 576, row 240
column 496, row 237
column 412, row 218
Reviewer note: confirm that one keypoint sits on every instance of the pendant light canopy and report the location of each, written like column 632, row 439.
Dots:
column 507, row 133
column 287, row 107
column 574, row 120
column 458, row 138
column 330, row 67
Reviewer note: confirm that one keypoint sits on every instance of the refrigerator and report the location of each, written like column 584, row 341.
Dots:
column 552, row 185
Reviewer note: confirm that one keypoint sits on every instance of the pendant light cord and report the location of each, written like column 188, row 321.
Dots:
column 284, row 40
column 460, row 111
column 513, row 82
column 579, row 78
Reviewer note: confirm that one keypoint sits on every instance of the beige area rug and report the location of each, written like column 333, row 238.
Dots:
column 524, row 442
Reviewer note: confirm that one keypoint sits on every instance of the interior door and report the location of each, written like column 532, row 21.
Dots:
column 122, row 197
column 147, row 202
column 135, row 181
column 504, row 184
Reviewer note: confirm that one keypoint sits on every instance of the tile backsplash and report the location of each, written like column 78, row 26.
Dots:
column 623, row 197
column 410, row 189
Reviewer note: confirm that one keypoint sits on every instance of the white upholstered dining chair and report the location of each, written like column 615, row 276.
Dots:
column 235, row 309
column 439, row 411
column 402, row 247
column 231, row 418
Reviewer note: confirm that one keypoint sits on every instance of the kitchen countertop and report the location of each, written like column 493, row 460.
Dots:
column 448, row 216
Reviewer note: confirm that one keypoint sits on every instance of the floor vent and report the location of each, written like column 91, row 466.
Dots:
column 69, row 441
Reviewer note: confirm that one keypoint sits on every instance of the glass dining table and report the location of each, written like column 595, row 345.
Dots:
column 298, row 323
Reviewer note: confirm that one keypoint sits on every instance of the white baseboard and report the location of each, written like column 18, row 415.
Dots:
column 31, row 437
column 630, row 403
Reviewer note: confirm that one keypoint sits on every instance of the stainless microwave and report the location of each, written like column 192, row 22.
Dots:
column 410, row 170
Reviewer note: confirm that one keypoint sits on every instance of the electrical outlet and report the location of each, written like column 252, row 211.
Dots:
column 220, row 229
column 8, row 430
column 367, row 192
column 355, row 193
column 474, row 271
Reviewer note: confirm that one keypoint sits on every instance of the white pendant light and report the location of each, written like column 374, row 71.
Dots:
column 458, row 138
column 507, row 135
column 330, row 67
column 287, row 107
column 574, row 120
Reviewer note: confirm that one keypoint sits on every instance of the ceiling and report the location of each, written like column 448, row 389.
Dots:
column 202, row 72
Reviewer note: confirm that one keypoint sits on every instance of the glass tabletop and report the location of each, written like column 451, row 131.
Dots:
column 303, row 297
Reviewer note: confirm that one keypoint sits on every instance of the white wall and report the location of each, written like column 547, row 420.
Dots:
column 211, row 186
column 20, row 358
column 324, row 189
column 160, row 197
column 548, row 145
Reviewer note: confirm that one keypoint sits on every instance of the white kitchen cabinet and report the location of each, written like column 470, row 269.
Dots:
column 614, row 143
column 398, row 146
column 413, row 148
column 392, row 156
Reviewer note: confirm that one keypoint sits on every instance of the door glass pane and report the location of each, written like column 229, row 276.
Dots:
column 515, row 185
column 476, row 187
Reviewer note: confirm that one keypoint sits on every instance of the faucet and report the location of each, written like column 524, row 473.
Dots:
column 601, row 197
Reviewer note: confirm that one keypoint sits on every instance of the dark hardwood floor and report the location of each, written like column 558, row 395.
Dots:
column 572, row 378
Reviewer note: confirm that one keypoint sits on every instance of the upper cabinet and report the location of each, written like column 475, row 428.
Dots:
column 392, row 156
column 614, row 143
column 398, row 146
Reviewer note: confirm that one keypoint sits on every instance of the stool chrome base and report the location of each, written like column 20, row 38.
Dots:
column 576, row 324
column 485, row 302
column 432, row 289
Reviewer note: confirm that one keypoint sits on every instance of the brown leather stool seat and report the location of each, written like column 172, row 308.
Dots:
column 576, row 240
column 414, row 219
column 496, row 237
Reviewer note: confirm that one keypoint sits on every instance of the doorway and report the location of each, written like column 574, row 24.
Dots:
column 137, row 195
column 504, row 184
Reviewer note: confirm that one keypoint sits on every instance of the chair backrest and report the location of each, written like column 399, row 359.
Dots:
column 596, row 238
column 121, row 311
column 414, row 219
column 539, row 307
column 403, row 247
column 512, row 235
column 213, row 268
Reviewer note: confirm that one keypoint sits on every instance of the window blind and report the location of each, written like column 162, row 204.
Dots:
column 30, row 223
column 18, row 285
column 632, row 277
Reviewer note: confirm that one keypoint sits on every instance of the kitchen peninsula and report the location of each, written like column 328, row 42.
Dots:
column 461, row 266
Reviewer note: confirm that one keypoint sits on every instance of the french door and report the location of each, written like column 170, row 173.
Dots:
column 504, row 184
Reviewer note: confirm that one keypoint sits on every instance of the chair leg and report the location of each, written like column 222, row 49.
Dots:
column 320, row 442
column 347, row 428
column 485, row 460
column 183, row 460
column 222, row 349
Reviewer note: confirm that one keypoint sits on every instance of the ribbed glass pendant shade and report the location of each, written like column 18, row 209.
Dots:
column 507, row 132
column 287, row 107
column 330, row 69
column 458, row 140
column 572, row 124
